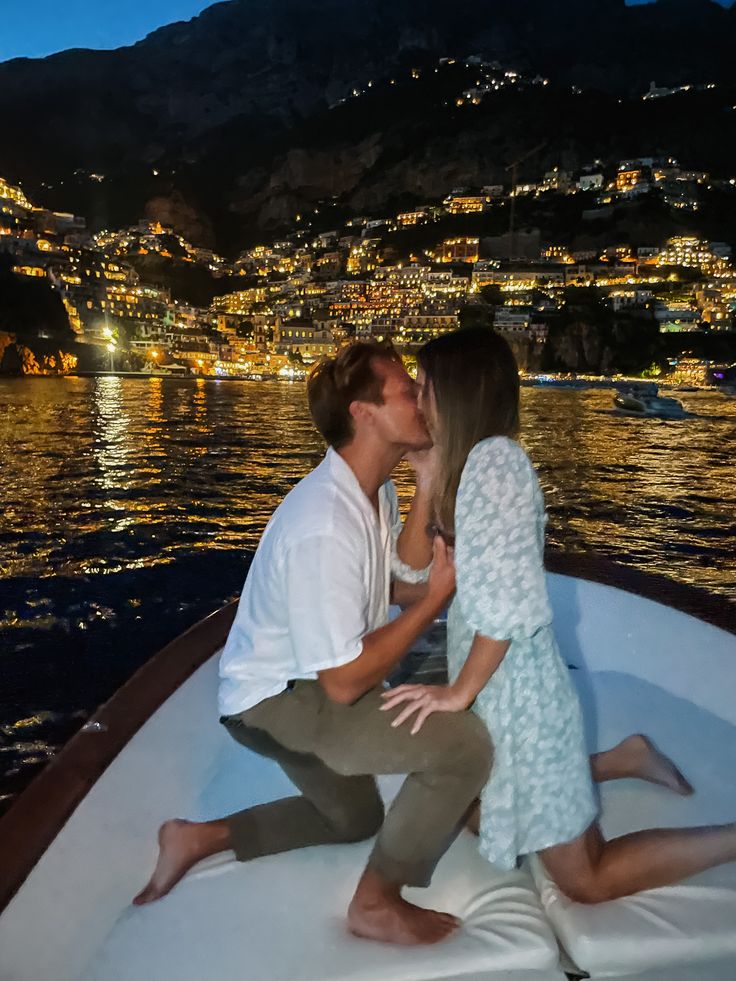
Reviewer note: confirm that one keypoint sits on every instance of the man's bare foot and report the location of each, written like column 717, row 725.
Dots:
column 378, row 912
column 181, row 845
column 647, row 763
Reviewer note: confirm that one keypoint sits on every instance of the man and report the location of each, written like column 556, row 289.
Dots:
column 311, row 643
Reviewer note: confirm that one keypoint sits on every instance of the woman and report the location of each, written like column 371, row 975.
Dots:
column 502, row 656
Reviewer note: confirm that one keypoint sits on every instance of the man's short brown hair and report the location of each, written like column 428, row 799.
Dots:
column 348, row 377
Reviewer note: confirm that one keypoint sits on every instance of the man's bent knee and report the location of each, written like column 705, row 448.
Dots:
column 353, row 823
column 473, row 751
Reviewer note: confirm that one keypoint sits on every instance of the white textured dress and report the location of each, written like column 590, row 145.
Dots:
column 540, row 792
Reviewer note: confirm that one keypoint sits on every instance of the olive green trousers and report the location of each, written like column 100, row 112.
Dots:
column 332, row 753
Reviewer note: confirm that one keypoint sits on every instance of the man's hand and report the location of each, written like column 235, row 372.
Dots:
column 441, row 583
column 422, row 700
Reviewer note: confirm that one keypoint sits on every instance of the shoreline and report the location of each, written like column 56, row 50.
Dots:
column 547, row 380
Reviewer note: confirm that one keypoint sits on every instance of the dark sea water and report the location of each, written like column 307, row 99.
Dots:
column 129, row 507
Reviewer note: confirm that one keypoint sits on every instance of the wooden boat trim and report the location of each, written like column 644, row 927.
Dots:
column 693, row 600
column 44, row 807
column 41, row 811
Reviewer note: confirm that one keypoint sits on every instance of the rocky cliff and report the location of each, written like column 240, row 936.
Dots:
column 231, row 109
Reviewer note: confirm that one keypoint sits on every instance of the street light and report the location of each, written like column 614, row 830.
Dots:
column 111, row 348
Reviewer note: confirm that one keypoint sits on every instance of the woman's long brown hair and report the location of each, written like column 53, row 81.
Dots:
column 475, row 381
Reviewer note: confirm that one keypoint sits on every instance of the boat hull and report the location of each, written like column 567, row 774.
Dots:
column 80, row 841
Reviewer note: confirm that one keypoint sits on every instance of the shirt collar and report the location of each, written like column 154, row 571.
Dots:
column 343, row 475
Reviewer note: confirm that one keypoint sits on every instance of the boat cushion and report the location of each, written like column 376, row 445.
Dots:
column 282, row 918
column 687, row 922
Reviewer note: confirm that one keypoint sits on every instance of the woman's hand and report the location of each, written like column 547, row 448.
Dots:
column 422, row 700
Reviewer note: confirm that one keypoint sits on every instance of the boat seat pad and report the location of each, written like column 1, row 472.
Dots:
column 282, row 918
column 675, row 925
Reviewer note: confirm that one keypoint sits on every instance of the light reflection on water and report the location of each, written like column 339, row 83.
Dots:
column 129, row 507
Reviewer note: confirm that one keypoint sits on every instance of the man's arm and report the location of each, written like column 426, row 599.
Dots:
column 486, row 654
column 383, row 648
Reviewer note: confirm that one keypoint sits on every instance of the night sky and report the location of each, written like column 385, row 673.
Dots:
column 41, row 27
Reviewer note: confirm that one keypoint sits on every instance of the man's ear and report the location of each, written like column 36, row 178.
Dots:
column 360, row 412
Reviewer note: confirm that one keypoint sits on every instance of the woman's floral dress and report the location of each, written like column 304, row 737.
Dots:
column 540, row 791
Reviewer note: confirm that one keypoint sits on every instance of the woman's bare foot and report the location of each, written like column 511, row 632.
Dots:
column 638, row 757
column 378, row 912
column 181, row 845
column 656, row 767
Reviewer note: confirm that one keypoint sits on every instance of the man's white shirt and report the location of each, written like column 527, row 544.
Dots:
column 319, row 582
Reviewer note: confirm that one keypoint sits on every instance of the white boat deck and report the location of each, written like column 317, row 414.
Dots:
column 640, row 666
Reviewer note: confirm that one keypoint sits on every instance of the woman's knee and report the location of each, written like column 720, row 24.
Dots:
column 579, row 870
column 589, row 889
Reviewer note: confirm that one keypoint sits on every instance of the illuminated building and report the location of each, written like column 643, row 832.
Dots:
column 511, row 319
column 364, row 257
column 152, row 236
column 329, row 264
column 691, row 371
column 690, row 252
column 408, row 218
column 647, row 254
column 466, row 204
column 623, row 299
column 714, row 308
column 241, row 302
column 9, row 193
column 513, row 277
column 417, row 328
column 412, row 276
column 618, row 253
column 626, row 180
column 193, row 318
column 35, row 272
column 557, row 253
column 676, row 316
column 590, row 182
column 529, row 188
column 556, row 180
column 601, row 274
column 228, row 323
column 462, row 249
column 300, row 335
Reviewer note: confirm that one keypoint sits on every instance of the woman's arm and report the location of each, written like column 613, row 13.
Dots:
column 485, row 656
column 483, row 661
column 407, row 593
column 414, row 544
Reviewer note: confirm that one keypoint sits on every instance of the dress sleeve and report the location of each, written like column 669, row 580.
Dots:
column 400, row 570
column 501, row 585
column 327, row 601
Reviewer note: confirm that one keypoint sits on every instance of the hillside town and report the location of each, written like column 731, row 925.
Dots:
column 279, row 306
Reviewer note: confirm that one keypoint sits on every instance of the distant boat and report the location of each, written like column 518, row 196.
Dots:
column 648, row 656
column 551, row 381
column 643, row 399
